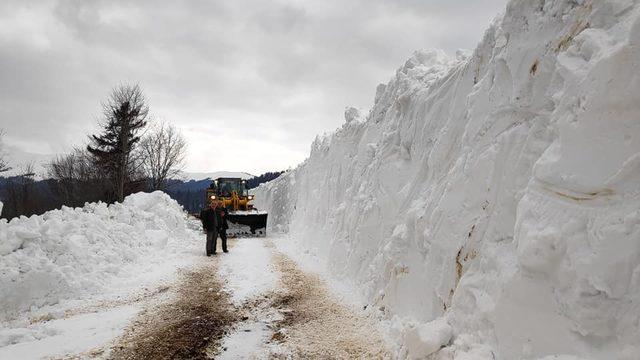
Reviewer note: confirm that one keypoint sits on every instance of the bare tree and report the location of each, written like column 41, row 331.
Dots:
column 19, row 196
column 78, row 165
column 76, row 179
column 4, row 166
column 163, row 151
column 125, row 115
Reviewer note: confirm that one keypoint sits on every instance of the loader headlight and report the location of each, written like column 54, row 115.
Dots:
column 213, row 197
column 250, row 197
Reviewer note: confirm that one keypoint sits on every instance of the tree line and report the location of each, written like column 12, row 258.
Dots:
column 131, row 153
column 257, row 180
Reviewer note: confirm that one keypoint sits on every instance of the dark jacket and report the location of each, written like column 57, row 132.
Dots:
column 222, row 214
column 209, row 219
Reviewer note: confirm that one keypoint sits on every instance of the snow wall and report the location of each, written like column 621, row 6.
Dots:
column 73, row 253
column 489, row 203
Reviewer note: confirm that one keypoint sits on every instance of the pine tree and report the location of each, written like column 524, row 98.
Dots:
column 125, row 115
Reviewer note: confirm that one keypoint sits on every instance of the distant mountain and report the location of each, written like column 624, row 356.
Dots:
column 186, row 176
column 191, row 185
column 18, row 159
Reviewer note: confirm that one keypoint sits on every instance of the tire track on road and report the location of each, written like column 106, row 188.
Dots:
column 190, row 326
column 314, row 324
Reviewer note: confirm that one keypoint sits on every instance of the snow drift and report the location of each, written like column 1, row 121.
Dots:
column 71, row 253
column 488, row 204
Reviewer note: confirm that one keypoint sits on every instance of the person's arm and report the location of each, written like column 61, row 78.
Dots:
column 204, row 223
column 224, row 219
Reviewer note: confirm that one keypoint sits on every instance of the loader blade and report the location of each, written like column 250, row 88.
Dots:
column 244, row 223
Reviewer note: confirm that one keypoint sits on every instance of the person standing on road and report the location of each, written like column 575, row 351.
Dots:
column 209, row 220
column 221, row 218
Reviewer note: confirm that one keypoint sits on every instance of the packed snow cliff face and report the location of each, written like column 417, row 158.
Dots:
column 489, row 205
column 73, row 253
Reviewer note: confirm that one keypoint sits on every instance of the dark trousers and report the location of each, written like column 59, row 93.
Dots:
column 212, row 237
column 223, row 236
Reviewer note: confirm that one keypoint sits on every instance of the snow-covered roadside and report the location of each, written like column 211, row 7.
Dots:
column 287, row 309
column 308, row 261
column 72, row 279
column 341, row 288
column 84, row 334
column 247, row 270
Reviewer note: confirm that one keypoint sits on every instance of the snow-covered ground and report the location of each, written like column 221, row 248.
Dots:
column 82, row 334
column 256, row 275
column 486, row 208
column 247, row 272
column 279, row 299
column 78, row 273
column 488, row 203
column 84, row 282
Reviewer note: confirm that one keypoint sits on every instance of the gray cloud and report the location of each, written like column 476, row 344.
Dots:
column 252, row 79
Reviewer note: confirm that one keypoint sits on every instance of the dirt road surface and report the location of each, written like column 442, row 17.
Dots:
column 184, row 327
column 294, row 318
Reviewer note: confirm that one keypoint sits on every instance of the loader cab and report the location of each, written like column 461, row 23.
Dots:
column 224, row 187
column 231, row 193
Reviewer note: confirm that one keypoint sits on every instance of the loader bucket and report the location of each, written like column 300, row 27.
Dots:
column 247, row 223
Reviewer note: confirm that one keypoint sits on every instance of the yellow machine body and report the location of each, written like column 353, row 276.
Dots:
column 234, row 202
column 243, row 218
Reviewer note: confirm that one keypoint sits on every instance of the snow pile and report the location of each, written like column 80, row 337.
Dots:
column 489, row 203
column 71, row 253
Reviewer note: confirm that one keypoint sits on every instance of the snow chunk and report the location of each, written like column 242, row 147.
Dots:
column 425, row 339
column 351, row 114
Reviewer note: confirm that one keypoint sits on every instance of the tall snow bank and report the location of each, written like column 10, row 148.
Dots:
column 499, row 193
column 69, row 253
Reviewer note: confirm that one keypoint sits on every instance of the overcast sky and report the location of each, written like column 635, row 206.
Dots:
column 249, row 82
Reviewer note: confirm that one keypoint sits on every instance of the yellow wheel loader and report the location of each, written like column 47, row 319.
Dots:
column 243, row 218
